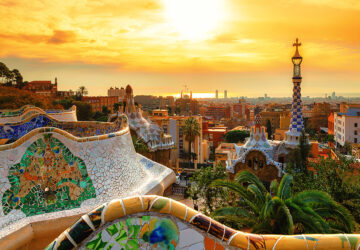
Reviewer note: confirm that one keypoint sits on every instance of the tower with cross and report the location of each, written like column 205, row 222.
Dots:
column 292, row 136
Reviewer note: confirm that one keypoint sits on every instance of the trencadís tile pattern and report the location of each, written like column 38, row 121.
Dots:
column 155, row 222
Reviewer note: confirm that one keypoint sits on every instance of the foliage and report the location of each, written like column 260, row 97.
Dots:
column 9, row 77
column 66, row 103
column 83, row 111
column 13, row 98
column 82, row 90
column 298, row 158
column 334, row 177
column 269, row 129
column 100, row 117
column 281, row 212
column 201, row 191
column 117, row 106
column 103, row 115
column 191, row 129
column 327, row 138
column 235, row 136
column 139, row 145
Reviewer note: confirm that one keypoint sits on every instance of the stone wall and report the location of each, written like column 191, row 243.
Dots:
column 153, row 222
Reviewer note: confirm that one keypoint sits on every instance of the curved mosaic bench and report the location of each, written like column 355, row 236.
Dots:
column 50, row 173
column 154, row 222
column 15, row 131
column 23, row 113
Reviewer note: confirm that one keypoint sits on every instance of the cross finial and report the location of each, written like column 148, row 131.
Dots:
column 297, row 44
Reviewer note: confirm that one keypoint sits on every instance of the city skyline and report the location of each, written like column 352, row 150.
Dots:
column 238, row 45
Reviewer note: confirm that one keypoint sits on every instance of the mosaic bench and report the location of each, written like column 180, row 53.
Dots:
column 23, row 113
column 154, row 222
column 17, row 131
column 51, row 173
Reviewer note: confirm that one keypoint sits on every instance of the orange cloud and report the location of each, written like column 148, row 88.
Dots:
column 252, row 36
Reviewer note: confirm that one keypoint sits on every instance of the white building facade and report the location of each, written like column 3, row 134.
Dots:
column 347, row 127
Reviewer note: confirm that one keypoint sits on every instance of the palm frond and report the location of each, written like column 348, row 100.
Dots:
column 238, row 190
column 248, row 177
column 236, row 211
column 284, row 190
column 274, row 187
column 260, row 197
column 309, row 219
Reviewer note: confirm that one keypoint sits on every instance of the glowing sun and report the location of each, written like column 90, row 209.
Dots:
column 194, row 19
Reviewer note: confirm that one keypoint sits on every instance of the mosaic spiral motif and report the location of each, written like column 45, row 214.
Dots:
column 48, row 178
column 145, row 232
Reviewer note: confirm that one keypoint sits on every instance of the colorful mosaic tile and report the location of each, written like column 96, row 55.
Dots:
column 153, row 222
column 48, row 178
column 15, row 131
column 144, row 232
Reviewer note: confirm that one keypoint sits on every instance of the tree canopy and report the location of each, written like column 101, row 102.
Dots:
column 191, row 129
column 10, row 77
column 209, row 197
column 280, row 211
column 235, row 136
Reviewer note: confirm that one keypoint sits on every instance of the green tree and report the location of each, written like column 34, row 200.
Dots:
column 281, row 212
column 235, row 136
column 139, row 145
column 191, row 129
column 105, row 110
column 6, row 76
column 18, row 78
column 269, row 129
column 298, row 158
column 100, row 117
column 82, row 91
column 335, row 177
column 203, row 193
column 83, row 111
column 117, row 106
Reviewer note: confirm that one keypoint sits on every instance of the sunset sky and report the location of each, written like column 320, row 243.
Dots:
column 244, row 46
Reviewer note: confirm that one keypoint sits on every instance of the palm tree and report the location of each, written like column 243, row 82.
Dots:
column 191, row 129
column 82, row 90
column 278, row 211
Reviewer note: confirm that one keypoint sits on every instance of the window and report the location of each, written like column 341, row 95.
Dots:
column 355, row 132
column 355, row 125
column 355, row 140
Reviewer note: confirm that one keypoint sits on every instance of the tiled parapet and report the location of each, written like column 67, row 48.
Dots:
column 13, row 132
column 154, row 222
column 50, row 173
column 23, row 113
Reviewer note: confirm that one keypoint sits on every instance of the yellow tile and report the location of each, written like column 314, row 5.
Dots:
column 178, row 209
column 114, row 211
column 133, row 205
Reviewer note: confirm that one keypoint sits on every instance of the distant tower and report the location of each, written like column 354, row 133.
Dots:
column 225, row 94
column 217, row 94
column 191, row 94
column 55, row 80
column 296, row 124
